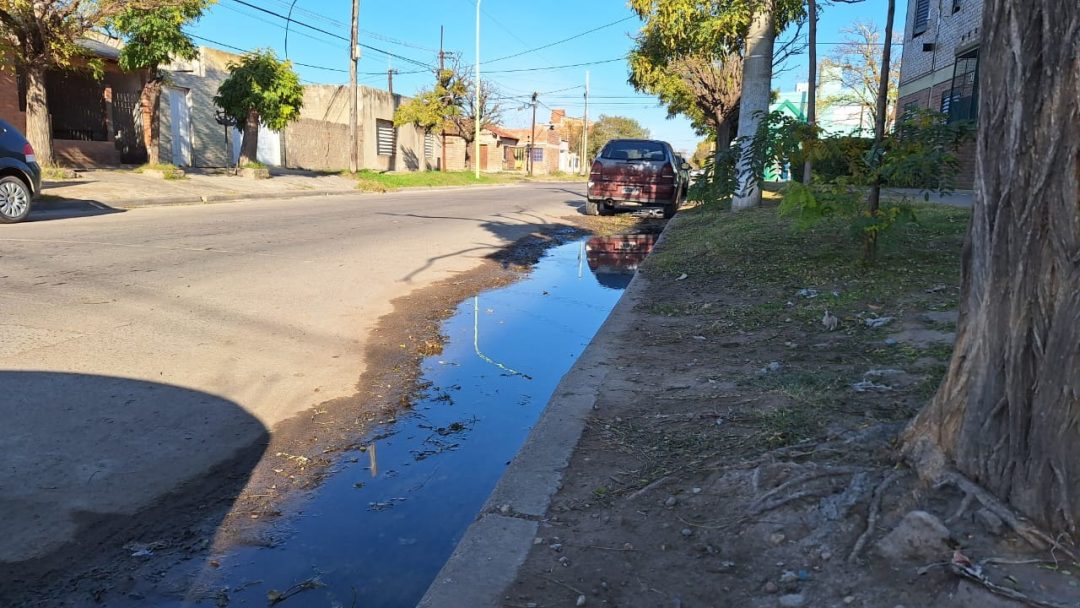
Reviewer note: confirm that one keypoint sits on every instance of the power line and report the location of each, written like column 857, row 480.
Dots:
column 556, row 67
column 332, row 34
column 306, row 65
column 557, row 42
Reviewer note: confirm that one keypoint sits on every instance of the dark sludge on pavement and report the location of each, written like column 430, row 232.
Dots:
column 383, row 523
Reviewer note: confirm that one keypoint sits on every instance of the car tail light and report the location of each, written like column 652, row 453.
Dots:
column 28, row 152
column 668, row 171
column 597, row 170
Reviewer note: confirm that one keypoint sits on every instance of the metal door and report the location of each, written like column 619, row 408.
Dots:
column 180, row 114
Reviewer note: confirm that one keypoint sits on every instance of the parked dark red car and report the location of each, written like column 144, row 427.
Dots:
column 636, row 173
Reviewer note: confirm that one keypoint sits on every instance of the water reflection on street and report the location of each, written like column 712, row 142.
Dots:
column 380, row 527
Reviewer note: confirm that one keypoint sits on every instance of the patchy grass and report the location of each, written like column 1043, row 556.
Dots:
column 376, row 181
column 168, row 171
column 57, row 173
column 757, row 249
column 252, row 165
column 558, row 176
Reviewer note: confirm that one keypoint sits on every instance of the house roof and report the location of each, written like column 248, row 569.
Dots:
column 105, row 48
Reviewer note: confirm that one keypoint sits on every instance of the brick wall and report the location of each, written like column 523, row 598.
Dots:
column 9, row 102
column 946, row 30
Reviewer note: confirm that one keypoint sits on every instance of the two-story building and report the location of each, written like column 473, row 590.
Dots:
column 940, row 67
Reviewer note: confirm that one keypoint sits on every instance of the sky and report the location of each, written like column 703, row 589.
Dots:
column 404, row 35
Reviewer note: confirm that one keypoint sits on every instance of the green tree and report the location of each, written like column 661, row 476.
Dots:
column 712, row 33
column 702, row 153
column 152, row 39
column 608, row 128
column 260, row 89
column 39, row 35
column 450, row 105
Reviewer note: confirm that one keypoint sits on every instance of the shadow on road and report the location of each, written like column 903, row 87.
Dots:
column 57, row 209
column 99, row 470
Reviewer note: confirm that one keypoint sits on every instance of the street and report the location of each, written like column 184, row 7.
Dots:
column 142, row 349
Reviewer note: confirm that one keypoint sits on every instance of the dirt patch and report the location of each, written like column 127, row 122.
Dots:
column 742, row 454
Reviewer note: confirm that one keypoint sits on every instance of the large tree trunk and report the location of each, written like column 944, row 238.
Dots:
column 148, row 102
column 811, row 84
column 873, row 201
column 756, row 90
column 723, row 138
column 38, row 124
column 249, row 149
column 1008, row 412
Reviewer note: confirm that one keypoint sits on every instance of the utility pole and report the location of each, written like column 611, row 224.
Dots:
column 476, row 101
column 354, row 156
column 585, row 131
column 390, row 71
column 532, row 140
column 442, row 67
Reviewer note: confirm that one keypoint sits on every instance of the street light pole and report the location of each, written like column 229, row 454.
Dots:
column 586, row 167
column 476, row 99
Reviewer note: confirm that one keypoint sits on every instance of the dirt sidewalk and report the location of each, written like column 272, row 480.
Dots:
column 739, row 453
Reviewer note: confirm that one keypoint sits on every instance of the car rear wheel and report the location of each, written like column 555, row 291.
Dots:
column 592, row 208
column 14, row 200
column 670, row 209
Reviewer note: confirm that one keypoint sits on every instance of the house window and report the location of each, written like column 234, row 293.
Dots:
column 429, row 145
column 964, row 95
column 922, row 17
column 538, row 155
column 385, row 138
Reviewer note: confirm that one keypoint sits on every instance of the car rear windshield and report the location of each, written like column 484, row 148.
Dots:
column 634, row 150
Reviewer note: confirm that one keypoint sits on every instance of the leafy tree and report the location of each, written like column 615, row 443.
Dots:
column 608, row 128
column 1005, row 414
column 856, row 66
column 39, row 35
column 702, row 153
column 702, row 84
column 154, row 38
column 451, row 106
column 260, row 89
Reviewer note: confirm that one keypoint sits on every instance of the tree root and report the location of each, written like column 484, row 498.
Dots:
column 787, row 485
column 965, row 504
column 975, row 575
column 872, row 515
column 776, row 504
column 1029, row 532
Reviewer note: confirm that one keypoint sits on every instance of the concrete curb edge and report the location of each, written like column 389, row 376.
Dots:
column 487, row 559
column 194, row 199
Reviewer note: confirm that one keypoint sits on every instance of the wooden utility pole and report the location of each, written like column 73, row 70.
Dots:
column 354, row 152
column 811, row 93
column 532, row 140
column 442, row 67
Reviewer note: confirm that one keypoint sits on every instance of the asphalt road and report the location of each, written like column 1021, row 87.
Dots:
column 138, row 350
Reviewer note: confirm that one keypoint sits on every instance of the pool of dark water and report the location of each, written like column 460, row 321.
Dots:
column 381, row 526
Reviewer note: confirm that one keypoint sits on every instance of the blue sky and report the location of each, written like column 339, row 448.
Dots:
column 410, row 30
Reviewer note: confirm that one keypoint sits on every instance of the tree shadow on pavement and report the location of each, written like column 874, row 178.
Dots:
column 102, row 471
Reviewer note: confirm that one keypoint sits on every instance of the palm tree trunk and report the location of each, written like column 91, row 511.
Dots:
column 38, row 123
column 756, row 90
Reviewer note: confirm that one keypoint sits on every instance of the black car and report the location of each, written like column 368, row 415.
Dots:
column 20, row 175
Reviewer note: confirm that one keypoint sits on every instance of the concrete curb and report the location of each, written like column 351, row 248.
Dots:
column 196, row 199
column 493, row 549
